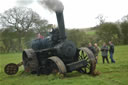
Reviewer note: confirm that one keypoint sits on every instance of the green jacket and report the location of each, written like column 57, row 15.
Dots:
column 104, row 51
column 97, row 49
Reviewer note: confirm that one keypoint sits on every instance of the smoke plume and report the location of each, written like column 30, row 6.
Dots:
column 52, row 5
column 24, row 2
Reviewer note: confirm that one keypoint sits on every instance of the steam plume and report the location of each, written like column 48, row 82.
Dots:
column 52, row 5
column 24, row 2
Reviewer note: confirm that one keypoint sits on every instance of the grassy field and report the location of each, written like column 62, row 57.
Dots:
column 111, row 74
column 91, row 32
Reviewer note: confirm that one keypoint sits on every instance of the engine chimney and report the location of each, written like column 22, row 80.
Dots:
column 61, row 26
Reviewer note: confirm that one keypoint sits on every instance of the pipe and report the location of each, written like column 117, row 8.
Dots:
column 61, row 26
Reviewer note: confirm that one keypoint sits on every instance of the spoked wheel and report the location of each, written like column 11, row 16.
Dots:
column 55, row 65
column 86, row 54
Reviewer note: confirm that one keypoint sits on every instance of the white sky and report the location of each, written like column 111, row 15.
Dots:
column 78, row 13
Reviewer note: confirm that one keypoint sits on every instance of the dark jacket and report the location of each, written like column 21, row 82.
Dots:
column 111, row 49
column 92, row 49
column 104, row 51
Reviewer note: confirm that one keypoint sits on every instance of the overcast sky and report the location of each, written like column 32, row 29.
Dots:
column 77, row 13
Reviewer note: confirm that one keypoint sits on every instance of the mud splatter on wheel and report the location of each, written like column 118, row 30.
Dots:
column 30, row 62
column 56, row 65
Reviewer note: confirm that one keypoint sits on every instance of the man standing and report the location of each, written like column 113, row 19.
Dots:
column 104, row 51
column 97, row 49
column 90, row 46
column 111, row 51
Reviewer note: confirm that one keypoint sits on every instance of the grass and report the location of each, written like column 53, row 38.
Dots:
column 91, row 32
column 111, row 74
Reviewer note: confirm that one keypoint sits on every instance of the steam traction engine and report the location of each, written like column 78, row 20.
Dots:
column 55, row 54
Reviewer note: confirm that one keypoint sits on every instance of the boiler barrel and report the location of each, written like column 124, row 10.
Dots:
column 39, row 44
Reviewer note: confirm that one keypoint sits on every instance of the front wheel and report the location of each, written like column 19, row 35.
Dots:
column 55, row 65
column 86, row 54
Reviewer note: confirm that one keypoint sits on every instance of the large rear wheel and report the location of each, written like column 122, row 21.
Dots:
column 30, row 61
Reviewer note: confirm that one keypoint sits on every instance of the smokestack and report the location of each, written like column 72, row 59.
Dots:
column 57, row 7
column 61, row 26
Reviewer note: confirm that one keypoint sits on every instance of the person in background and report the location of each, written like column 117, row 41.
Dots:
column 90, row 46
column 104, row 51
column 39, row 36
column 97, row 49
column 111, row 51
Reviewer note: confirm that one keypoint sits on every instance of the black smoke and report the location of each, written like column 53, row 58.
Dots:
column 52, row 5
column 24, row 2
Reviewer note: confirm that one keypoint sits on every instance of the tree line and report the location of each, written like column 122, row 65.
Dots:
column 117, row 32
column 21, row 25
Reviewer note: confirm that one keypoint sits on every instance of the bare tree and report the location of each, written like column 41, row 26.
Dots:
column 101, row 19
column 124, row 18
column 42, row 27
column 21, row 19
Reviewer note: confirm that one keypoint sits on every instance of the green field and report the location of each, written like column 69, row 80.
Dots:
column 111, row 74
column 91, row 32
